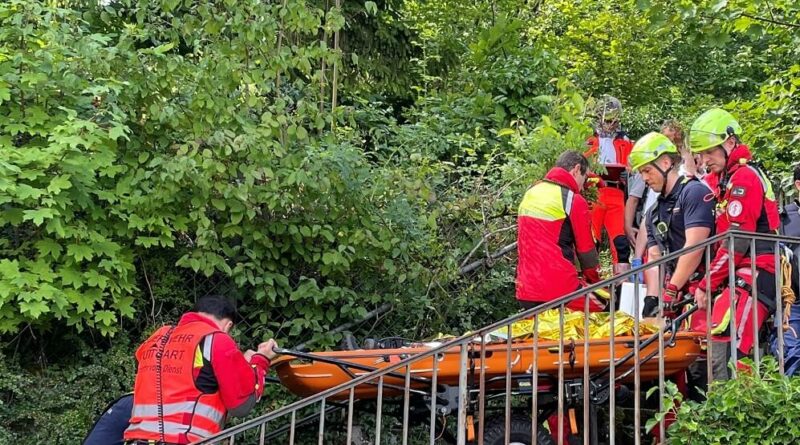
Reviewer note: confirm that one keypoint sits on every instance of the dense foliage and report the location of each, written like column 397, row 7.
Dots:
column 754, row 408
column 315, row 160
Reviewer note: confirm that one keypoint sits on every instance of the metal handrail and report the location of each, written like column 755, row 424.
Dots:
column 466, row 339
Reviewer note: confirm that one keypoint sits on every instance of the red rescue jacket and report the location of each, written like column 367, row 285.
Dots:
column 622, row 147
column 554, row 228
column 745, row 201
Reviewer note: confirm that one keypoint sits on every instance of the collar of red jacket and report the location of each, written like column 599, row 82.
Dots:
column 562, row 177
column 737, row 154
column 190, row 317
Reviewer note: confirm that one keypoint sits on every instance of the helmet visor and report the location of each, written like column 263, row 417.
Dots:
column 700, row 141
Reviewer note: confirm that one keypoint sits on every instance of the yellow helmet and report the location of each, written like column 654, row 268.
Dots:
column 649, row 148
column 711, row 129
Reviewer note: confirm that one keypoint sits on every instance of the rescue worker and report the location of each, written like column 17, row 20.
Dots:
column 790, row 226
column 745, row 202
column 191, row 376
column 683, row 216
column 611, row 147
column 110, row 427
column 553, row 230
column 790, row 217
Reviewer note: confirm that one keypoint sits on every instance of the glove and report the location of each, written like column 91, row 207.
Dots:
column 670, row 293
column 650, row 308
column 591, row 275
column 595, row 180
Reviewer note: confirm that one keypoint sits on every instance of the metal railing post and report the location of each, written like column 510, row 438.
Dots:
column 734, row 342
column 507, row 411
column 709, row 305
column 586, row 401
column 754, row 304
column 637, row 384
column 612, row 375
column 661, row 423
column 463, row 393
column 434, row 396
column 535, row 379
column 779, row 309
column 561, row 374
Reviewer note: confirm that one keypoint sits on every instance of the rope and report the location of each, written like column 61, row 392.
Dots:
column 787, row 294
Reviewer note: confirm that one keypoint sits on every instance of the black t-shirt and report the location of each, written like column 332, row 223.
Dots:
column 690, row 204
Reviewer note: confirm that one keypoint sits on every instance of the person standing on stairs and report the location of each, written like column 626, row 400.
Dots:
column 610, row 146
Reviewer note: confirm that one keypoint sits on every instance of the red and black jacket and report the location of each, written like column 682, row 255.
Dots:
column 554, row 229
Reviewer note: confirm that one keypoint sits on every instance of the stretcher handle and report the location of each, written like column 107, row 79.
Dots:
column 677, row 305
column 345, row 365
column 670, row 327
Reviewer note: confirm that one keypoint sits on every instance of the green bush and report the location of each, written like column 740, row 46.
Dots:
column 754, row 408
column 58, row 403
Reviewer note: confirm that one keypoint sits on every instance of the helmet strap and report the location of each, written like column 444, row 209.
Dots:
column 664, row 174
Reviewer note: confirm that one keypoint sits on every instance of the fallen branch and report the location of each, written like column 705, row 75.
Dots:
column 483, row 240
column 478, row 263
column 386, row 307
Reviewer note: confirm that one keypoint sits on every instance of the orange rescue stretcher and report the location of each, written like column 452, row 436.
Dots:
column 307, row 374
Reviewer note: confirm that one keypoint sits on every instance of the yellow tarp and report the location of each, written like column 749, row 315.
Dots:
column 574, row 326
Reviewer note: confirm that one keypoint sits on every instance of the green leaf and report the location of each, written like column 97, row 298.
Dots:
column 34, row 309
column 59, row 183
column 95, row 279
column 55, row 226
column 80, row 252
column 47, row 246
column 218, row 204
column 118, row 131
column 9, row 269
column 84, row 301
column 161, row 49
column 24, row 191
column 106, row 317
column 5, row 291
column 718, row 5
column 5, row 92
column 71, row 277
column 38, row 216
column 125, row 306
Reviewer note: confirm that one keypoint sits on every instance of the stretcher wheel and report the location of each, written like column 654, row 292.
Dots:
column 520, row 424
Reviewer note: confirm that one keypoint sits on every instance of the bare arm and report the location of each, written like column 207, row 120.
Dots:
column 630, row 216
column 640, row 245
column 688, row 263
column 651, row 274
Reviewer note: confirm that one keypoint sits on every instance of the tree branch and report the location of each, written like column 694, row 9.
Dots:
column 476, row 264
column 774, row 22
column 386, row 307
column 483, row 240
